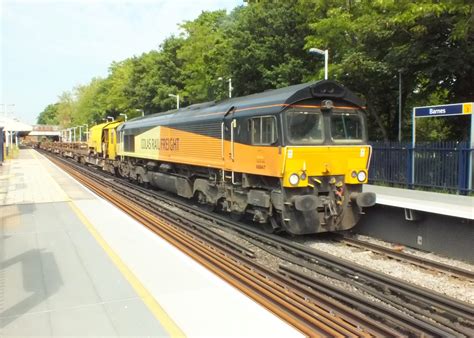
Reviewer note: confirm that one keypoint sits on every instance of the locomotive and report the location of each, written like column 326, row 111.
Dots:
column 293, row 159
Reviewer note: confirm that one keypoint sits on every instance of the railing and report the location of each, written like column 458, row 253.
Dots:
column 438, row 166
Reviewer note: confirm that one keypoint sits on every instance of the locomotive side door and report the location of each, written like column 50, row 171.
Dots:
column 228, row 131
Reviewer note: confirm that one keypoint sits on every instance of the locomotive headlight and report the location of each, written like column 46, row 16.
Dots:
column 294, row 179
column 361, row 176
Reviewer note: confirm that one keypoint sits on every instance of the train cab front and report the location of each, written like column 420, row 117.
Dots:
column 326, row 164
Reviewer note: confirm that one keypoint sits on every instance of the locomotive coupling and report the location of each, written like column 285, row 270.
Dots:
column 364, row 199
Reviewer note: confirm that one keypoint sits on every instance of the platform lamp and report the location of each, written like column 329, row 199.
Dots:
column 400, row 105
column 124, row 115
column 326, row 57
column 111, row 118
column 230, row 85
column 141, row 111
column 177, row 99
column 11, row 131
column 12, row 110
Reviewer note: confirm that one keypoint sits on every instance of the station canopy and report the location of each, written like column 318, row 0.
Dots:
column 13, row 125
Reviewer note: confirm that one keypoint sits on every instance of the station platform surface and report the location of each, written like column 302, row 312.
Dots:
column 436, row 203
column 73, row 264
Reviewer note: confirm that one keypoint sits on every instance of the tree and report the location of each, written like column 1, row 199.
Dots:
column 154, row 76
column 203, row 55
column 49, row 115
column 90, row 104
column 65, row 109
column 266, row 46
column 370, row 41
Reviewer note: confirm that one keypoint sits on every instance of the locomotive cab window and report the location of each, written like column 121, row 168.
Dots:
column 347, row 127
column 305, row 127
column 264, row 131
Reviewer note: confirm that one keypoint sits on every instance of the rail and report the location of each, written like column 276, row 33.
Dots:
column 279, row 294
column 424, row 307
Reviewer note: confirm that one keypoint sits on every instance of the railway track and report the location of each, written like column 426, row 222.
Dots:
column 311, row 314
column 408, row 258
column 316, row 297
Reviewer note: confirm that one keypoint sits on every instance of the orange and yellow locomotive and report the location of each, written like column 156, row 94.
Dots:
column 293, row 158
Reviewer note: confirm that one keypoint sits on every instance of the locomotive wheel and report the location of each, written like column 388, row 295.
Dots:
column 202, row 201
column 141, row 183
column 236, row 216
column 268, row 228
column 117, row 172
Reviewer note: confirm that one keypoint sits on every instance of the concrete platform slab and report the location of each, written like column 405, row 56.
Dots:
column 436, row 203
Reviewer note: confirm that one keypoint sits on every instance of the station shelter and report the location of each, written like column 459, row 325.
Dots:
column 11, row 130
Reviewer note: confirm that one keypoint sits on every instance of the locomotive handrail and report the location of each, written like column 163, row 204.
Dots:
column 232, row 126
column 222, row 140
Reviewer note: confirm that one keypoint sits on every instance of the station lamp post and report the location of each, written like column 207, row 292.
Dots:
column 141, row 111
column 124, row 115
column 9, row 105
column 177, row 99
column 11, row 131
column 111, row 118
column 230, row 85
column 326, row 57
column 399, row 105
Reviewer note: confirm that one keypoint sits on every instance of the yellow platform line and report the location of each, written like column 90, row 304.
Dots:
column 160, row 314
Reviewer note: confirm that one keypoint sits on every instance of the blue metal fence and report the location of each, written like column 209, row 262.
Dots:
column 437, row 165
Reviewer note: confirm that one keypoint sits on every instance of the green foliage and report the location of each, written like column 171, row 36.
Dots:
column 203, row 56
column 65, row 109
column 49, row 115
column 88, row 102
column 264, row 45
column 371, row 41
column 266, row 41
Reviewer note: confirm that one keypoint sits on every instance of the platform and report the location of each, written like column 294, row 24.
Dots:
column 72, row 264
column 435, row 203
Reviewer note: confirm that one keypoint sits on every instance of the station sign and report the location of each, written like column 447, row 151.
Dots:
column 444, row 110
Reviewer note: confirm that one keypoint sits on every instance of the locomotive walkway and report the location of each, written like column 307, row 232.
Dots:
column 73, row 264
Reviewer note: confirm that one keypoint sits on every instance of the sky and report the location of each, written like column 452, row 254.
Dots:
column 50, row 46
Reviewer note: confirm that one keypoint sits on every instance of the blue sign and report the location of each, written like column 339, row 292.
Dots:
column 450, row 109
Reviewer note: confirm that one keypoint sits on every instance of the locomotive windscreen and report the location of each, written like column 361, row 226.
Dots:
column 305, row 127
column 346, row 126
column 308, row 127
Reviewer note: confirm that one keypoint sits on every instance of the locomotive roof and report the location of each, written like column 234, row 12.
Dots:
column 267, row 102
